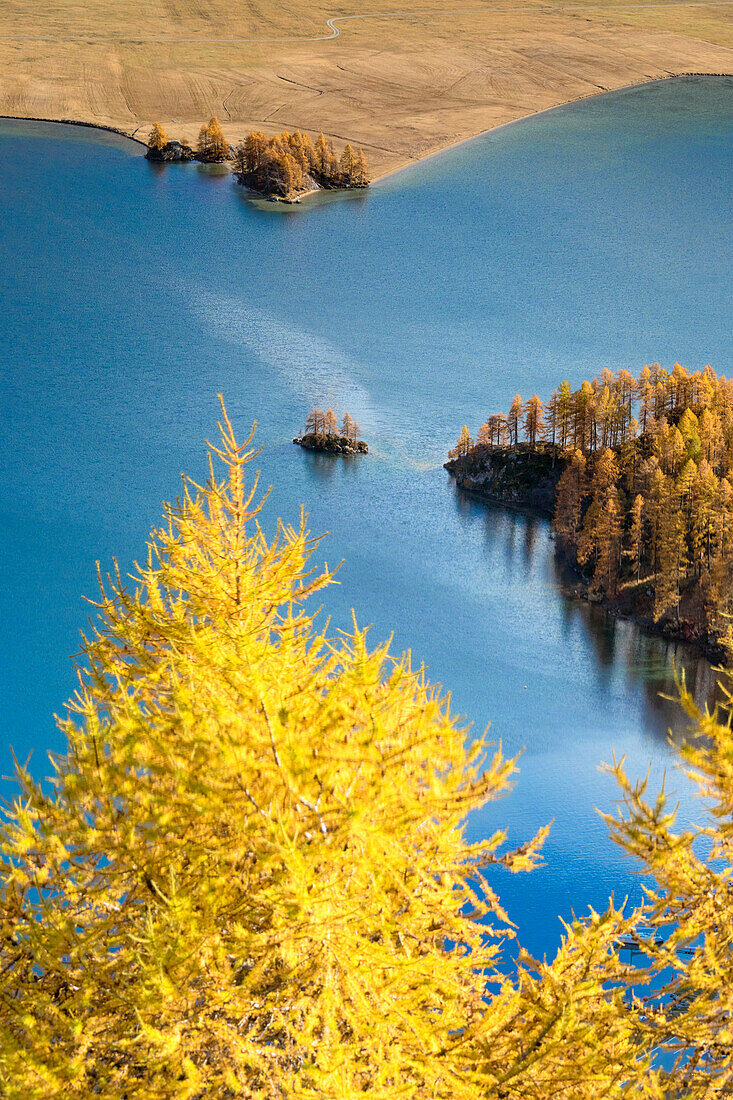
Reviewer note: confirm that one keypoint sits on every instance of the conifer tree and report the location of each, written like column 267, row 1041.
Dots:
column 672, row 558
column 330, row 424
column 690, row 911
column 636, row 534
column 564, row 412
column 571, row 491
column 534, row 428
column 553, row 420
column 513, row 420
column 609, row 543
column 212, row 145
column 158, row 137
column 347, row 427
column 255, row 146
column 646, row 396
column 464, row 444
column 584, row 418
column 252, row 878
column 347, row 164
column 361, row 170
column 326, row 163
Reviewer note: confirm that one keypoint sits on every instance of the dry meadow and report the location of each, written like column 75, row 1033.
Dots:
column 399, row 81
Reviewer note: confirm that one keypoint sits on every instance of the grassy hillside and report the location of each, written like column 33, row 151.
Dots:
column 400, row 84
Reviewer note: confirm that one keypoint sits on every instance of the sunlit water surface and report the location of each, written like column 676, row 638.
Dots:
column 597, row 235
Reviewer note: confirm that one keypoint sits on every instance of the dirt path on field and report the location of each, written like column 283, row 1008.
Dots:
column 401, row 83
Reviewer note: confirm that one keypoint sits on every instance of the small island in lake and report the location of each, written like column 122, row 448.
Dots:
column 637, row 477
column 282, row 168
column 323, row 434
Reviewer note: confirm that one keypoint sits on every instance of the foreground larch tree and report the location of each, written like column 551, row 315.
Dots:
column 249, row 877
column 690, row 1016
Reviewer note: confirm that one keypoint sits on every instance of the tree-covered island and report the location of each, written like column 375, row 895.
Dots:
column 636, row 474
column 283, row 167
column 322, row 433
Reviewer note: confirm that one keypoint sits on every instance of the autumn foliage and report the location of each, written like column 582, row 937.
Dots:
column 157, row 138
column 249, row 875
column 290, row 163
column 645, row 500
column 321, row 423
column 212, row 146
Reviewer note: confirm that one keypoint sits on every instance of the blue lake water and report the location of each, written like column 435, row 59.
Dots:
column 597, row 235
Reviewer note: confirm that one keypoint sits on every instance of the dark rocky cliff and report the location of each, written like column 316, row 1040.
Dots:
column 526, row 476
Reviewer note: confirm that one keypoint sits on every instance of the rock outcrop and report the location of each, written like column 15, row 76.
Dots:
column 170, row 152
column 525, row 476
column 332, row 444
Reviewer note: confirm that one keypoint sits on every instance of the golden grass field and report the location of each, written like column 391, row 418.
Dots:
column 401, row 80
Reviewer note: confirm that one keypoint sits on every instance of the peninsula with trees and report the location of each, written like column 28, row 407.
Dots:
column 637, row 475
column 322, row 433
column 282, row 168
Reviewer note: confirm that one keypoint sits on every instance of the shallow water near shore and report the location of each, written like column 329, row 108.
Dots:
column 598, row 235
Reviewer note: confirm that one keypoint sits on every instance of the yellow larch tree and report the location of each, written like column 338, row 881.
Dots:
column 249, row 875
column 636, row 534
column 514, row 418
column 347, row 163
column 464, row 444
column 571, row 493
column 534, row 420
column 157, row 138
column 212, row 145
column 690, row 906
column 361, row 169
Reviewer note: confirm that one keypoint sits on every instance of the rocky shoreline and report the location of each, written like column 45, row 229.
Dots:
column 527, row 480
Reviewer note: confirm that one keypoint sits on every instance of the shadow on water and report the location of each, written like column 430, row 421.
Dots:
column 646, row 663
column 325, row 467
